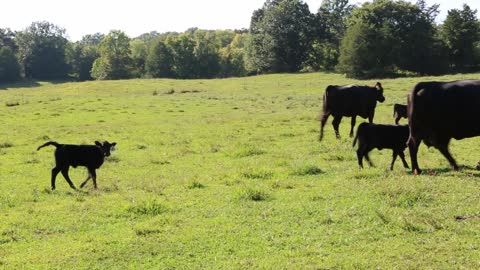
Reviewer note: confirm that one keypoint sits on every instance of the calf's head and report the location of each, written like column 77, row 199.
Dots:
column 380, row 96
column 106, row 147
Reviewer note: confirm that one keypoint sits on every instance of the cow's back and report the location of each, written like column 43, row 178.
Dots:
column 350, row 100
column 441, row 110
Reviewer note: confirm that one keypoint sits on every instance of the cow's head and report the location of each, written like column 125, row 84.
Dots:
column 106, row 147
column 380, row 96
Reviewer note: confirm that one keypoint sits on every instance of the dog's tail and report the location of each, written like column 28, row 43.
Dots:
column 49, row 143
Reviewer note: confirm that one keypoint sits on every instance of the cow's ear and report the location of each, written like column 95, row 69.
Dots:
column 114, row 143
column 378, row 86
column 98, row 143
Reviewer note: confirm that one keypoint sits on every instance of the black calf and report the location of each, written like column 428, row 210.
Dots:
column 372, row 136
column 90, row 156
column 399, row 111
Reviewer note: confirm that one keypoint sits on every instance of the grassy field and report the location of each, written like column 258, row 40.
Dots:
column 224, row 174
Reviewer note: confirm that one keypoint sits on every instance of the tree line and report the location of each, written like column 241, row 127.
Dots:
column 377, row 39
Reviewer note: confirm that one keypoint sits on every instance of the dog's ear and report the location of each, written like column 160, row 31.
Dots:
column 97, row 143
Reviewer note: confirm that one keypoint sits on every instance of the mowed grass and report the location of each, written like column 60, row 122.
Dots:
column 224, row 174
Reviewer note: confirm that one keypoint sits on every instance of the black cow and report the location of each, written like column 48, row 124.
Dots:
column 90, row 156
column 399, row 111
column 440, row 111
column 350, row 101
column 372, row 136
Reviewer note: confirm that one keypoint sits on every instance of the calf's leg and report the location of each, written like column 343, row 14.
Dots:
column 360, row 158
column 94, row 177
column 86, row 180
column 393, row 159
column 55, row 171
column 67, row 178
column 402, row 156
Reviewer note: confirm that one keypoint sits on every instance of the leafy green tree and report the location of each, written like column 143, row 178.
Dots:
column 280, row 36
column 206, row 54
column 41, row 49
column 385, row 37
column 183, row 49
column 330, row 26
column 82, row 54
column 233, row 57
column 139, row 57
column 159, row 63
column 461, row 31
column 9, row 66
column 114, row 62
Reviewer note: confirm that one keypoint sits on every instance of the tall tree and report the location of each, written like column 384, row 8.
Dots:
column 206, row 54
column 82, row 54
column 41, row 49
column 331, row 24
column 114, row 62
column 233, row 57
column 281, row 34
column 9, row 66
column 159, row 62
column 184, row 59
column 388, row 36
column 139, row 57
column 461, row 31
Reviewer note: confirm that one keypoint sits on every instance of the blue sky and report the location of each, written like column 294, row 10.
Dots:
column 136, row 17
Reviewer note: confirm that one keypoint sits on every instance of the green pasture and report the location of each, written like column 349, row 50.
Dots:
column 224, row 174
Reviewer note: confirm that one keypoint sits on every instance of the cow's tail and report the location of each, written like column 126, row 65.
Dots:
column 325, row 99
column 49, row 143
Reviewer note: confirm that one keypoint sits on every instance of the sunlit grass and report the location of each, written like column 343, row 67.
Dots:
column 224, row 174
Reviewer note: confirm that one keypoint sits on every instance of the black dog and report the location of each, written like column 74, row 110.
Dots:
column 90, row 156
column 372, row 136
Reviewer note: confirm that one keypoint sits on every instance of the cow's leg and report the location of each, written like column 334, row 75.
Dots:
column 394, row 157
column 336, row 123
column 55, row 171
column 86, row 180
column 67, row 178
column 402, row 156
column 413, row 144
column 323, row 121
column 354, row 118
column 94, row 177
column 444, row 150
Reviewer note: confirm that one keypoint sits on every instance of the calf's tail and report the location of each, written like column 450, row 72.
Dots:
column 356, row 138
column 49, row 143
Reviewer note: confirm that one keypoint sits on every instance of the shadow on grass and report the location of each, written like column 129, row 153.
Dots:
column 30, row 83
column 464, row 169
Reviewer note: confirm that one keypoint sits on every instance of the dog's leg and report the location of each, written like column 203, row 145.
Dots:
column 65, row 175
column 55, row 171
